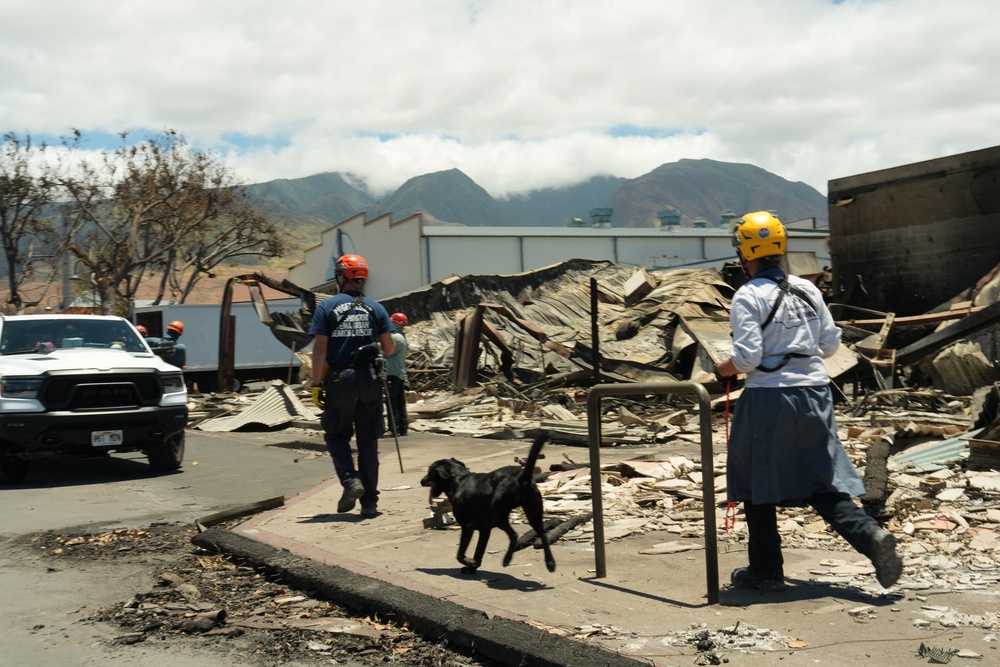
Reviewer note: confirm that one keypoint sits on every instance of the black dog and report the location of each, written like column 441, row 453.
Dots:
column 483, row 501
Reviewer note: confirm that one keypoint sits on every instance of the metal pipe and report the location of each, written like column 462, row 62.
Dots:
column 595, row 338
column 707, row 466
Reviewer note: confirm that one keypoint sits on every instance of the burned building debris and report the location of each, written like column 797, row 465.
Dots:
column 926, row 443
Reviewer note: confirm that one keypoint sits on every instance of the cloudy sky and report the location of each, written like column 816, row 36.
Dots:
column 518, row 94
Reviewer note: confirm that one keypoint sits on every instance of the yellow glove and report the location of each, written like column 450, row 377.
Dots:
column 319, row 396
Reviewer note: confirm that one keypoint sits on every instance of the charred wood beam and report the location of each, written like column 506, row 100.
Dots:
column 929, row 345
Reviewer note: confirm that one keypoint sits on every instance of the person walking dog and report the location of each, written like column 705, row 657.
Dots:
column 783, row 447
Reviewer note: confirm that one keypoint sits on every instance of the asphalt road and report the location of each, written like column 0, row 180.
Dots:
column 40, row 608
column 220, row 471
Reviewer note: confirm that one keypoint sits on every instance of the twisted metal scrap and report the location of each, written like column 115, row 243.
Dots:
column 938, row 656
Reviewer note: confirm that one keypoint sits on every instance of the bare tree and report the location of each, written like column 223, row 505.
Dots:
column 26, row 193
column 241, row 232
column 159, row 206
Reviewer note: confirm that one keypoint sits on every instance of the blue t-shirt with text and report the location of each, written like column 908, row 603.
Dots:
column 359, row 325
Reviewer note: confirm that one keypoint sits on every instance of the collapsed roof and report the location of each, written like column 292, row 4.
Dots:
column 650, row 325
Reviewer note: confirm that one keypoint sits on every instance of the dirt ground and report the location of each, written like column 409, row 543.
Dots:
column 207, row 604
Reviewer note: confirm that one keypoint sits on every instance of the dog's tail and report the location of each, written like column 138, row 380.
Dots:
column 528, row 473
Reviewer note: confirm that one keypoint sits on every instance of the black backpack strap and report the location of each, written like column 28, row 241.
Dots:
column 774, row 309
column 781, row 364
column 784, row 288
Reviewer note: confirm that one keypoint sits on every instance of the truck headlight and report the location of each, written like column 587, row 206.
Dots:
column 173, row 384
column 20, row 387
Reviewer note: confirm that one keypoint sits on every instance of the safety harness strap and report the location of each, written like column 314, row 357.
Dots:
column 784, row 288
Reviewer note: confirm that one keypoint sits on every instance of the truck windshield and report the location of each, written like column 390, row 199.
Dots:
column 47, row 334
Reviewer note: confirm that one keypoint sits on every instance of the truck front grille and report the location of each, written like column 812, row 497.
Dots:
column 90, row 392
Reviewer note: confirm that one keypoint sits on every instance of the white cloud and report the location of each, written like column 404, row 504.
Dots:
column 518, row 94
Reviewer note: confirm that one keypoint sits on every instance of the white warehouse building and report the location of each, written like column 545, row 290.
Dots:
column 407, row 254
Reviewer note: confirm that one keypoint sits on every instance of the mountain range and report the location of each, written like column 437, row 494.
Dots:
column 702, row 190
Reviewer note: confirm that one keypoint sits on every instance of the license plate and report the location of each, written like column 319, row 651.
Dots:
column 106, row 438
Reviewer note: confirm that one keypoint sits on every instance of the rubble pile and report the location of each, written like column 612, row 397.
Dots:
column 222, row 607
column 934, row 447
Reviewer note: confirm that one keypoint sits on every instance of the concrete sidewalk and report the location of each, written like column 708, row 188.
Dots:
column 651, row 608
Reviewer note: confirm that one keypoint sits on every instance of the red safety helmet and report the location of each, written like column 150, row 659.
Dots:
column 177, row 327
column 352, row 267
column 400, row 319
column 142, row 330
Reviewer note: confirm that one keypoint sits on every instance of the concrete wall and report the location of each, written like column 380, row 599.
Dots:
column 392, row 250
column 405, row 255
column 466, row 256
column 917, row 235
column 541, row 252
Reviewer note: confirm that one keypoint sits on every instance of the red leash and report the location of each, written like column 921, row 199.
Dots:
column 730, row 520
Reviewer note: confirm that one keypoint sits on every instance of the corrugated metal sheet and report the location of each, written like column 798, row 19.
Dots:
column 277, row 405
column 931, row 456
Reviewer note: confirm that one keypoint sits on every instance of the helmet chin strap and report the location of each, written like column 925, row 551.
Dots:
column 343, row 280
column 744, row 264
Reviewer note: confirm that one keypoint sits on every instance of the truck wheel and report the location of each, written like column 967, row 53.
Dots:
column 167, row 456
column 13, row 467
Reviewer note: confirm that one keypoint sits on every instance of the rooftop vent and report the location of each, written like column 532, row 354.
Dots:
column 601, row 217
column 669, row 218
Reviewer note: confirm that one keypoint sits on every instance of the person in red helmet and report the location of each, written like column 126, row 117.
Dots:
column 395, row 376
column 174, row 332
column 348, row 329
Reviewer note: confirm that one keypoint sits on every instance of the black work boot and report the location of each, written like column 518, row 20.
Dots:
column 888, row 564
column 353, row 489
column 744, row 577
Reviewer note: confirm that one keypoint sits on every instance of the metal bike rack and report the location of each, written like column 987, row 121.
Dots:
column 708, row 488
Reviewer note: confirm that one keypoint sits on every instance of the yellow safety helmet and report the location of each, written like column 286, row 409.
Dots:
column 759, row 234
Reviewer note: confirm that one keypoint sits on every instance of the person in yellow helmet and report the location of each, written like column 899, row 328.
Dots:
column 783, row 447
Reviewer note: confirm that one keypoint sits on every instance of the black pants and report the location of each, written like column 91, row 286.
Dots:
column 354, row 408
column 397, row 402
column 838, row 510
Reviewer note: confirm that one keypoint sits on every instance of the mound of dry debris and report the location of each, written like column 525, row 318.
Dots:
column 223, row 607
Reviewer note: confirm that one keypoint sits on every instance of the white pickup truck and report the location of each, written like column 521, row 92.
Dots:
column 85, row 384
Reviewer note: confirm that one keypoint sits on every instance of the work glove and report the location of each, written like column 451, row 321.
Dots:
column 319, row 396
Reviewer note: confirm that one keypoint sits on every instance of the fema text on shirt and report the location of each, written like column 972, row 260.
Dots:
column 356, row 324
